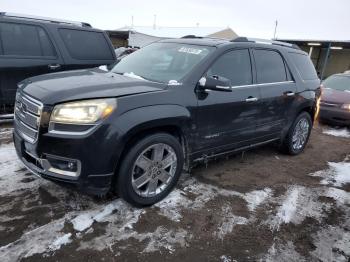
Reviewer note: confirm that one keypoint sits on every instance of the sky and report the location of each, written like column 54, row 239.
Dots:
column 297, row 19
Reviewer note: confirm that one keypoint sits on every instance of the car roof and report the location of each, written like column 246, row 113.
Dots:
column 342, row 74
column 42, row 20
column 239, row 42
column 205, row 41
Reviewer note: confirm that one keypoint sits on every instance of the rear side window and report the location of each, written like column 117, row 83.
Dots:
column 86, row 45
column 270, row 66
column 234, row 65
column 304, row 66
column 25, row 40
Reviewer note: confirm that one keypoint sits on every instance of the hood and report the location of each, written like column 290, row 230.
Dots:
column 85, row 84
column 335, row 96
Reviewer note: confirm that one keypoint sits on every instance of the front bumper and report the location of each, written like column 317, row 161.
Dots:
column 87, row 179
column 335, row 115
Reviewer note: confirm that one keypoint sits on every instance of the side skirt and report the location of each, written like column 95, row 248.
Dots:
column 205, row 158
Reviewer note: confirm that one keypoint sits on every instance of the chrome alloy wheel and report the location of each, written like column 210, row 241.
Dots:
column 154, row 170
column 300, row 134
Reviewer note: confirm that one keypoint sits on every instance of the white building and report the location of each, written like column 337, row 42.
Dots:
column 139, row 36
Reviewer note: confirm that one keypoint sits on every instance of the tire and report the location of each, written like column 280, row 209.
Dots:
column 289, row 145
column 144, row 164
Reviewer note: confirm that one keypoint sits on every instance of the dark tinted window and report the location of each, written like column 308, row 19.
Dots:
column 304, row 66
column 234, row 65
column 24, row 40
column 270, row 66
column 86, row 45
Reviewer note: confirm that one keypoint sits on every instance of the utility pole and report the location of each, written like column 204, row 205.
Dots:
column 275, row 33
column 132, row 21
column 155, row 22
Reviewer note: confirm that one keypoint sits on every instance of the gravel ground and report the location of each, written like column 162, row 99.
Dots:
column 256, row 206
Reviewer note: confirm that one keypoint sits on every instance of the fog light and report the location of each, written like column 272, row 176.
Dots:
column 72, row 166
column 63, row 166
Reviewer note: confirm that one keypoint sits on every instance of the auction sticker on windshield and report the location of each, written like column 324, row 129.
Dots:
column 190, row 50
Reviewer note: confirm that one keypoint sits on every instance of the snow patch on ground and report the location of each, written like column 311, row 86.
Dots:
column 36, row 241
column 61, row 241
column 341, row 132
column 225, row 258
column 164, row 238
column 298, row 203
column 195, row 195
column 120, row 228
column 12, row 172
column 9, row 161
column 289, row 206
column 283, row 253
column 43, row 240
column 338, row 174
column 82, row 222
column 340, row 196
column 172, row 205
column 257, row 197
column 85, row 220
column 229, row 220
column 5, row 133
column 332, row 244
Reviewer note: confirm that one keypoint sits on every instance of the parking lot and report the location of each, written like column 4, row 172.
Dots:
column 260, row 205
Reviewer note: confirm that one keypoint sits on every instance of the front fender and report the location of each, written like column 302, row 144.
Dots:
column 152, row 116
column 141, row 119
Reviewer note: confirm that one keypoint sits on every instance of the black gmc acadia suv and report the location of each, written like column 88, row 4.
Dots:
column 161, row 109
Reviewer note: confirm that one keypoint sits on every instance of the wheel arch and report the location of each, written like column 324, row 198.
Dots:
column 136, row 124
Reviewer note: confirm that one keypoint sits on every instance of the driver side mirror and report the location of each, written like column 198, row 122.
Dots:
column 215, row 83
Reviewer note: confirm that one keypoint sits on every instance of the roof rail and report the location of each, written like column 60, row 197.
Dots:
column 265, row 41
column 191, row 36
column 205, row 37
column 44, row 19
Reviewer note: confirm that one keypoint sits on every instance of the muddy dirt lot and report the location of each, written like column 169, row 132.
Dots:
column 259, row 206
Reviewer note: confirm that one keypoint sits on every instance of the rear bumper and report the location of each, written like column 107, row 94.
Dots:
column 334, row 115
column 95, row 184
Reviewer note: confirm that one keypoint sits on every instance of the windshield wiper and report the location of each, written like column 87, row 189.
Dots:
column 118, row 73
column 131, row 74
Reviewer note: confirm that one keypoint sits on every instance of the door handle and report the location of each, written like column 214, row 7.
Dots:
column 54, row 66
column 251, row 99
column 289, row 93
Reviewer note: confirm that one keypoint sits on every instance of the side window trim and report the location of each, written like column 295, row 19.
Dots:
column 254, row 70
column 290, row 76
column 28, row 56
column 286, row 68
column 264, row 84
column 228, row 51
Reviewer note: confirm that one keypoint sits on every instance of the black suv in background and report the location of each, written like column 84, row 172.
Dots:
column 161, row 109
column 32, row 46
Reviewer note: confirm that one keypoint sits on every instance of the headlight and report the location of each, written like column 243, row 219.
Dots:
column 83, row 112
column 346, row 106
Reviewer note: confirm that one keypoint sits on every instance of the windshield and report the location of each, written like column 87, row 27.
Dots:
column 338, row 82
column 162, row 62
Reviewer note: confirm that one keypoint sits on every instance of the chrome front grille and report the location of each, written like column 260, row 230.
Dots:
column 27, row 117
